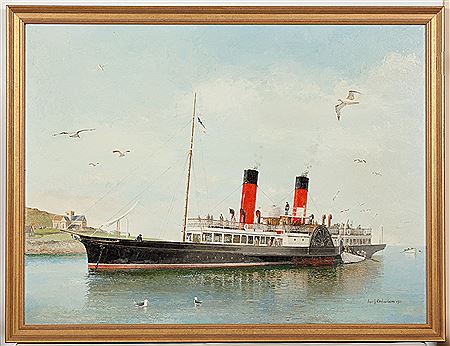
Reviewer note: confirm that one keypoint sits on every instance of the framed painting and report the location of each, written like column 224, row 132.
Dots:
column 214, row 174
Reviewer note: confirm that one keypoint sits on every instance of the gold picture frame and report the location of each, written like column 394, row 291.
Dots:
column 20, row 16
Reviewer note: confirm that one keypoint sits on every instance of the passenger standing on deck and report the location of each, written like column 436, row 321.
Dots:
column 139, row 237
column 258, row 216
column 233, row 218
column 286, row 208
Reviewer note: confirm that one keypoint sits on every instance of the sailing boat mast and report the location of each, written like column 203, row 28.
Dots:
column 188, row 179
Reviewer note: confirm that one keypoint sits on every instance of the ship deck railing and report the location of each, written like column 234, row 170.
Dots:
column 199, row 223
column 339, row 229
column 336, row 229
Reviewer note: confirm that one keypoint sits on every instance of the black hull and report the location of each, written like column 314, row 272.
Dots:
column 105, row 253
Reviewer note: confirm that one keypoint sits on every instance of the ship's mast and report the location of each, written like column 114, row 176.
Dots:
column 188, row 179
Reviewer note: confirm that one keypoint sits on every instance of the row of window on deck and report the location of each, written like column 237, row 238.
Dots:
column 364, row 241
column 233, row 238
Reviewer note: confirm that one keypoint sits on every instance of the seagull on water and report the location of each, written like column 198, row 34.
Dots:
column 197, row 302
column 75, row 134
column 93, row 164
column 142, row 304
column 121, row 153
column 350, row 100
column 359, row 161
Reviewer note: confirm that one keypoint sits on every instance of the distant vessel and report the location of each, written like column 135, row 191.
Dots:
column 411, row 251
column 259, row 238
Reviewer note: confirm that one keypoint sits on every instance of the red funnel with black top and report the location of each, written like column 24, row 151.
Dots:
column 300, row 200
column 248, row 198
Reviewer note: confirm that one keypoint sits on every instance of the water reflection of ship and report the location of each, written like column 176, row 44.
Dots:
column 266, row 285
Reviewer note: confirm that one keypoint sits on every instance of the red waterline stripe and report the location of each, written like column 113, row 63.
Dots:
column 179, row 266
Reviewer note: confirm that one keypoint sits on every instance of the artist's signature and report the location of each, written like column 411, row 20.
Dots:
column 383, row 301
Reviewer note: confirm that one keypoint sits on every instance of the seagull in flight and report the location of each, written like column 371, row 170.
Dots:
column 101, row 67
column 93, row 164
column 75, row 134
column 142, row 304
column 197, row 302
column 350, row 100
column 121, row 153
column 377, row 173
column 359, row 161
column 336, row 194
column 344, row 210
column 201, row 123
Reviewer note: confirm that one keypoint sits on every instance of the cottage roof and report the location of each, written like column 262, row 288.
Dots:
column 78, row 218
column 60, row 218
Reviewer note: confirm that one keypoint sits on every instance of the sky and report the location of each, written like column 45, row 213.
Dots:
column 266, row 95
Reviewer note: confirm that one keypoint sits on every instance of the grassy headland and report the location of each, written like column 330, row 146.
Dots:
column 42, row 239
column 39, row 218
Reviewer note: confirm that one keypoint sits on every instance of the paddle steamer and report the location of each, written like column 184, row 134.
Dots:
column 251, row 237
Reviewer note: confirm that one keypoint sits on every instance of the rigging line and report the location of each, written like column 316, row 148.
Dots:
column 314, row 203
column 204, row 170
column 171, row 205
column 169, row 212
column 202, row 165
column 366, row 200
column 284, row 198
column 151, row 183
column 265, row 194
column 136, row 198
column 143, row 191
column 354, row 208
column 197, row 193
column 119, row 218
column 166, row 217
column 135, row 169
column 225, row 199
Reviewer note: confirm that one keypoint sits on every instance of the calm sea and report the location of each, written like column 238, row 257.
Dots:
column 59, row 289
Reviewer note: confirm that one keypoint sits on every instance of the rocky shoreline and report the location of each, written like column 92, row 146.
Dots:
column 53, row 247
